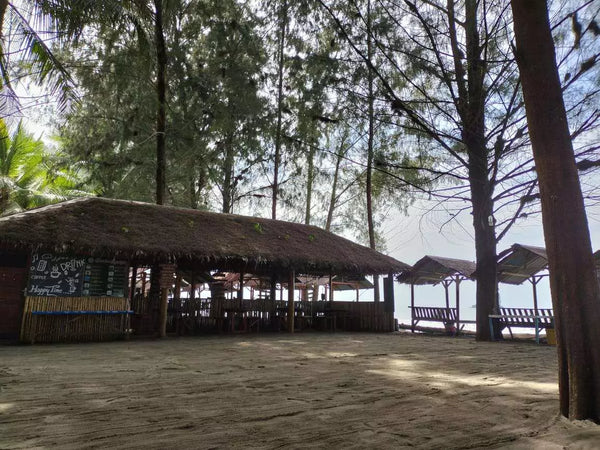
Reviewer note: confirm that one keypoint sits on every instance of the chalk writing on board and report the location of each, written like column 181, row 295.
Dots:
column 55, row 275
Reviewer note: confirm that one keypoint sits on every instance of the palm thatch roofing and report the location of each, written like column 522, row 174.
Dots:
column 145, row 233
column 435, row 269
column 520, row 262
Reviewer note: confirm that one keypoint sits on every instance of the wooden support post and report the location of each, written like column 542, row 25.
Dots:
column 143, row 283
column 389, row 302
column 357, row 291
column 291, row 309
column 534, row 281
column 446, row 285
column 240, row 293
column 330, row 288
column 457, row 287
column 412, row 307
column 273, row 301
column 132, row 284
column 192, row 286
column 165, row 281
column 177, row 304
column 164, row 301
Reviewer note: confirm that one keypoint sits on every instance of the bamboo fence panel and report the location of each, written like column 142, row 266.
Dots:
column 73, row 328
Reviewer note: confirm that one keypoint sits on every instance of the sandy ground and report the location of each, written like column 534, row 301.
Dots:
column 303, row 391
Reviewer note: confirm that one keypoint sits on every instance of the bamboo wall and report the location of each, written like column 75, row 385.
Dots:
column 73, row 328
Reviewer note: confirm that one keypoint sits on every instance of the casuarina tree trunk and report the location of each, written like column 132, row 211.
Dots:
column 473, row 135
column 370, row 148
column 161, row 91
column 283, row 19
column 575, row 290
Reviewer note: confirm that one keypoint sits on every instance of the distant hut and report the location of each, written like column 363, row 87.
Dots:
column 78, row 263
column 521, row 263
column 438, row 270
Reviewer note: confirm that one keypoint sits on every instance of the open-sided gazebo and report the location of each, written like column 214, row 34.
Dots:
column 77, row 260
column 437, row 270
column 521, row 263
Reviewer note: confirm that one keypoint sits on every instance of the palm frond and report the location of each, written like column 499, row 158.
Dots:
column 41, row 61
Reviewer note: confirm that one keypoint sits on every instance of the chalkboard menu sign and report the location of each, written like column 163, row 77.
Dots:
column 107, row 278
column 69, row 276
column 55, row 275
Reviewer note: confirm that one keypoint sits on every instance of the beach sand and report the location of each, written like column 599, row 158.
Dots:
column 275, row 390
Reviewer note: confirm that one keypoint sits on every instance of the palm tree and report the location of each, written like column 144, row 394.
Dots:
column 23, row 47
column 29, row 175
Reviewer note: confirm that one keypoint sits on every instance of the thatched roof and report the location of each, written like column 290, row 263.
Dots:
column 146, row 233
column 519, row 262
column 434, row 269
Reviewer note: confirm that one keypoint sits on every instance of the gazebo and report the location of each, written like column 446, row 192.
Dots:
column 437, row 270
column 77, row 262
column 521, row 263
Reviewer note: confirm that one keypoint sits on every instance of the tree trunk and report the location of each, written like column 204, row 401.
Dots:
column 473, row 135
column 309, row 183
column 161, row 92
column 575, row 289
column 370, row 149
column 277, row 159
column 333, row 199
column 193, row 196
column 228, row 177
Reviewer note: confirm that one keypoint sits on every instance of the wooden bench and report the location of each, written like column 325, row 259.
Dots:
column 437, row 314
column 433, row 314
column 523, row 318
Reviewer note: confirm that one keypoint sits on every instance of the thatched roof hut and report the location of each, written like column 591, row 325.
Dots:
column 145, row 233
column 435, row 269
column 520, row 263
